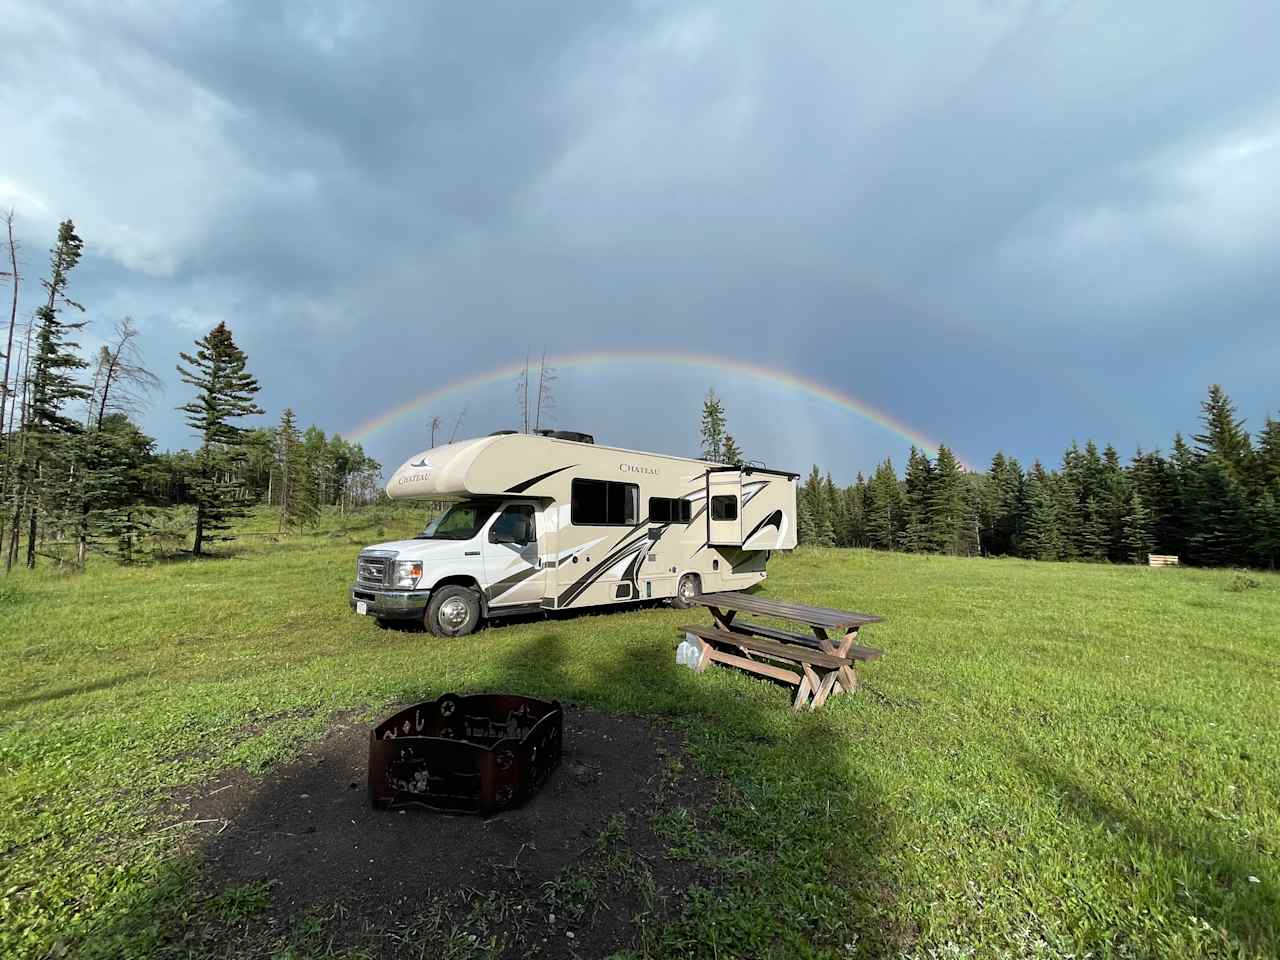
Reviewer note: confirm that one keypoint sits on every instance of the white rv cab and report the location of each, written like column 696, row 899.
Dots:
column 555, row 521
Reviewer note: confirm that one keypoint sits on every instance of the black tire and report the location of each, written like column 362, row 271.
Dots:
column 446, row 618
column 690, row 585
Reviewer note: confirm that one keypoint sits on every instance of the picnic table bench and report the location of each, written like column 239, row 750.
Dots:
column 817, row 664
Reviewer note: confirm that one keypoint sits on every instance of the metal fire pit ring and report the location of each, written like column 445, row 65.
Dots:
column 474, row 754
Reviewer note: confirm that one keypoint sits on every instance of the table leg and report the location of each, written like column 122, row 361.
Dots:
column 824, row 690
column 848, row 641
column 802, row 694
column 723, row 618
column 849, row 679
column 823, row 640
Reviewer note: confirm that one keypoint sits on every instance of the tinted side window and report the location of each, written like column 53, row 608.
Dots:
column 603, row 503
column 514, row 525
column 666, row 510
column 724, row 508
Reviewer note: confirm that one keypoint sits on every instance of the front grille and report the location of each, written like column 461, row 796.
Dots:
column 372, row 570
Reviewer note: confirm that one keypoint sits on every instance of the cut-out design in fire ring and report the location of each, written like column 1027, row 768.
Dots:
column 476, row 754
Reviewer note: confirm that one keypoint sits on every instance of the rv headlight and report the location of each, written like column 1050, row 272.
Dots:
column 408, row 573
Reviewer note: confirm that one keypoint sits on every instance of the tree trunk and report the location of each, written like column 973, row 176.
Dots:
column 197, row 550
column 31, row 537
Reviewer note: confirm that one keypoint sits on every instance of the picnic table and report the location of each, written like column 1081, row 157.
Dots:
column 818, row 664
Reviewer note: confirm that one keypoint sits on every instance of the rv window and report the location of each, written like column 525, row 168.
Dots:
column 724, row 508
column 666, row 510
column 604, row 503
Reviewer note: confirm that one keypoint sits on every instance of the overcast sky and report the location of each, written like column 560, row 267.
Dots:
column 1005, row 224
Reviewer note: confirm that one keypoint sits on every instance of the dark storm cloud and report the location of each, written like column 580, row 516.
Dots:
column 1007, row 224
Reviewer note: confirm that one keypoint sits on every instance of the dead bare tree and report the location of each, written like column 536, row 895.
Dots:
column 435, row 425
column 522, row 394
column 12, row 274
column 20, row 488
column 121, row 384
column 547, row 378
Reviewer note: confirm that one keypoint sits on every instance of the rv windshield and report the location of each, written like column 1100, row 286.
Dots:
column 462, row 521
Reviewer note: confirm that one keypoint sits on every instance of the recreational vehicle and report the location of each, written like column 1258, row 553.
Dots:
column 555, row 521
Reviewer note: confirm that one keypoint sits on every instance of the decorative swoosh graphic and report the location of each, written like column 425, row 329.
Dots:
column 526, row 484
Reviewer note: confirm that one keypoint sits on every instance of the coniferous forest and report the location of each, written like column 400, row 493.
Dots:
column 1213, row 500
column 77, row 474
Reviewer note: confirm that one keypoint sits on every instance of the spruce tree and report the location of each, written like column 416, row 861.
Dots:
column 732, row 453
column 855, row 513
column 804, row 521
column 53, row 383
column 835, row 510
column 1138, row 531
column 883, row 517
column 950, row 519
column 1042, row 539
column 1094, row 538
column 288, row 467
column 224, row 391
column 1221, row 532
column 712, row 428
column 116, row 470
column 918, row 485
column 1224, row 435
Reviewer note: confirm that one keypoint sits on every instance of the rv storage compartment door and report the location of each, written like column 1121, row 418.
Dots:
column 724, row 508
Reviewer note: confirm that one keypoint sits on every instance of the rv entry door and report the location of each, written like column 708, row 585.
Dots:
column 512, row 565
column 724, row 508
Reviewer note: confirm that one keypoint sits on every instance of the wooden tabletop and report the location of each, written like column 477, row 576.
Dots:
column 785, row 610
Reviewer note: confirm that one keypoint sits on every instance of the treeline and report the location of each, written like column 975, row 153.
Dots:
column 1214, row 501
column 77, row 474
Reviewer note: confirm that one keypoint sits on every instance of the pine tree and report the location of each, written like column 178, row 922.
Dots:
column 1138, row 530
column 1224, row 434
column 712, row 428
column 732, row 453
column 53, row 384
column 225, row 391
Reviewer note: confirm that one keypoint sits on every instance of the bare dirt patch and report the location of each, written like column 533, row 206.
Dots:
column 300, row 856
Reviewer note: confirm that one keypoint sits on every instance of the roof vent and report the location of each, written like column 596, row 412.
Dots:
column 573, row 435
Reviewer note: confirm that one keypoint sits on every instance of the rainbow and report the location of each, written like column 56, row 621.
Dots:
column 703, row 363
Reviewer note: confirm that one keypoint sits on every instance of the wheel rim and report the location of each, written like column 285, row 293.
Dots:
column 686, row 589
column 453, row 613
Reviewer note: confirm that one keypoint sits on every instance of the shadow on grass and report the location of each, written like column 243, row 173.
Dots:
column 58, row 693
column 692, row 816
column 1211, row 877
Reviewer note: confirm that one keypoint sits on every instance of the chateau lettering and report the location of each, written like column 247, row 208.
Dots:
column 634, row 468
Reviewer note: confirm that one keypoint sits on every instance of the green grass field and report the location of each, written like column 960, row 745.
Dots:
column 1051, row 760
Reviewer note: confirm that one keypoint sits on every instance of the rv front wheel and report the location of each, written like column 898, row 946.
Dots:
column 689, row 587
column 454, row 611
